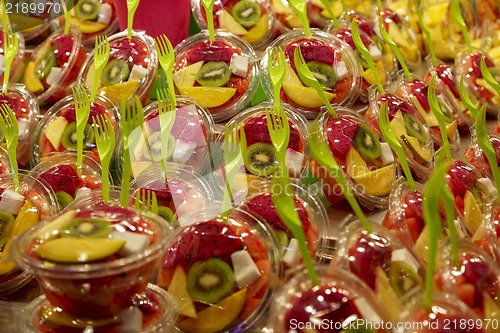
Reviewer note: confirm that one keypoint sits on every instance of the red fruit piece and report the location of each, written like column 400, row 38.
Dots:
column 412, row 203
column 460, row 178
column 363, row 24
column 479, row 273
column 210, row 51
column 95, row 110
column 63, row 45
column 133, row 51
column 345, row 34
column 390, row 15
column 395, row 104
column 17, row 104
column 62, row 178
column 340, row 132
column 495, row 142
column 445, row 73
column 475, row 63
column 312, row 50
column 419, row 89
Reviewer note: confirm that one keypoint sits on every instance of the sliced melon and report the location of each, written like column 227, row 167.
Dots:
column 355, row 164
column 74, row 250
column 377, row 182
column 258, row 31
column 227, row 22
column 209, row 97
column 305, row 96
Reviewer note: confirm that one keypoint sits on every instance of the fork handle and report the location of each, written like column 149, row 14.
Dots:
column 125, row 174
column 13, row 165
column 277, row 98
column 105, row 161
column 97, row 76
column 6, row 76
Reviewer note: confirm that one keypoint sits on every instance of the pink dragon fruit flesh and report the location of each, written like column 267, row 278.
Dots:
column 340, row 132
column 210, row 51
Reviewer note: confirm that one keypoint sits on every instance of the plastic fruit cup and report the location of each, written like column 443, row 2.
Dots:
column 189, row 139
column 370, row 175
column 153, row 310
column 105, row 21
column 136, row 61
column 54, row 65
column 339, row 299
column 311, row 212
column 59, row 171
column 56, row 132
column 86, row 199
column 182, row 192
column 17, row 67
column 40, row 203
column 196, row 59
column 257, row 28
column 26, row 109
column 93, row 276
column 474, row 154
column 240, row 253
column 325, row 52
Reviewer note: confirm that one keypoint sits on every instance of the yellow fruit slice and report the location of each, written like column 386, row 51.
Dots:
column 451, row 130
column 186, row 77
column 258, row 31
column 291, row 77
column 473, row 217
column 216, row 318
column 33, row 84
column 280, row 8
column 416, row 147
column 227, row 22
column 293, row 21
column 379, row 67
column 55, row 130
column 57, row 317
column 88, row 27
column 139, row 167
column 356, row 166
column 491, row 309
column 209, row 97
column 178, row 289
column 398, row 125
column 305, row 96
column 52, row 228
column 74, row 250
column 386, row 294
column 377, row 182
column 120, row 91
column 429, row 117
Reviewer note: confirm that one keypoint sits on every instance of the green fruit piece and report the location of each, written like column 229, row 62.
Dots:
column 6, row 224
column 209, row 281
column 115, row 72
column 64, row 199
column 166, row 213
column 246, row 13
column 283, row 240
column 88, row 228
column 73, row 250
column 260, row 159
column 414, row 128
column 154, row 151
column 323, row 73
column 69, row 137
column 366, row 143
column 87, row 10
column 44, row 65
column 214, row 74
column 403, row 278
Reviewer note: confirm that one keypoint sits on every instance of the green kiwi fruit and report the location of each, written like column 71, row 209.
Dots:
column 403, row 278
column 283, row 240
column 214, row 74
column 260, row 159
column 116, row 71
column 210, row 280
column 6, row 224
column 69, row 136
column 366, row 143
column 63, row 198
column 480, row 193
column 44, row 65
column 414, row 128
column 166, row 213
column 246, row 13
column 87, row 10
column 323, row 73
column 88, row 228
column 153, row 152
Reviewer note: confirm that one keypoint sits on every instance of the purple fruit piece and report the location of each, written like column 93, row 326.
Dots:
column 445, row 73
column 395, row 104
column 161, row 190
column 364, row 25
column 62, row 178
column 263, row 206
column 340, row 132
column 460, row 178
column 369, row 252
column 63, row 46
column 130, row 50
column 210, row 51
column 312, row 50
column 419, row 89
column 495, row 143
column 95, row 110
column 390, row 15
column 14, row 102
column 475, row 63
column 479, row 273
column 345, row 34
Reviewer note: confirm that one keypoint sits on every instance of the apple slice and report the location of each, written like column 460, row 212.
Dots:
column 52, row 228
column 186, row 77
column 178, row 289
column 291, row 77
column 429, row 117
column 258, row 31
column 209, row 97
column 377, row 182
column 473, row 217
column 413, row 146
column 355, row 164
column 227, row 22
column 305, row 96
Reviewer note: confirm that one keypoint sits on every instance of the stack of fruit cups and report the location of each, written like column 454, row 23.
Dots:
column 252, row 20
column 219, row 75
column 54, row 65
column 367, row 162
column 222, row 271
column 130, row 71
column 17, row 67
column 20, row 211
column 56, row 132
column 91, row 263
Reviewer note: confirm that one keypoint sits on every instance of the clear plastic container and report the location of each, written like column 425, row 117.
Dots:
column 138, row 55
column 17, row 67
column 4, row 161
column 94, row 272
column 37, row 33
column 226, row 96
column 257, row 31
column 327, row 51
column 156, row 307
column 488, row 235
column 54, row 132
column 474, row 154
column 233, row 245
column 86, row 199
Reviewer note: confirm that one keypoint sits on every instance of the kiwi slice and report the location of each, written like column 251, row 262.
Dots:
column 403, row 278
column 414, row 128
column 44, row 65
column 116, row 71
column 166, row 213
column 153, row 151
column 246, row 13
column 6, row 224
column 87, row 10
column 214, row 74
column 88, row 228
column 63, row 198
column 323, row 73
column 210, row 280
column 366, row 143
column 260, row 159
column 69, row 136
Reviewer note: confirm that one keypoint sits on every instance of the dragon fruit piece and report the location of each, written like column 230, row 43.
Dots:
column 14, row 102
column 419, row 89
column 460, row 178
column 475, row 63
column 341, row 132
column 345, row 34
column 390, row 15
column 445, row 73
column 161, row 190
column 312, row 50
column 60, row 182
column 495, row 143
column 363, row 24
column 210, row 51
column 95, row 110
column 130, row 50
column 64, row 46
column 395, row 104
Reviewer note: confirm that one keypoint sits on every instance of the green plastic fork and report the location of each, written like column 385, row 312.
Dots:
column 388, row 40
column 146, row 201
column 426, row 32
column 299, row 6
column 457, row 15
column 131, row 8
column 469, row 104
column 209, row 10
column 82, row 110
column 277, row 71
column 167, row 115
column 8, row 123
column 488, row 77
column 436, row 110
column 101, row 57
column 484, row 142
column 67, row 15
column 235, row 145
column 166, row 58
column 322, row 154
column 10, row 46
column 104, row 134
column 308, row 78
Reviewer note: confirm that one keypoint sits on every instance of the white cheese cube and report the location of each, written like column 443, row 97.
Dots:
column 366, row 311
column 183, row 151
column 134, row 242
column 239, row 65
column 245, row 270
column 375, row 52
column 488, row 184
column 386, row 154
column 11, row 202
column 54, row 76
column 405, row 256
column 294, row 160
column 131, row 320
column 137, row 73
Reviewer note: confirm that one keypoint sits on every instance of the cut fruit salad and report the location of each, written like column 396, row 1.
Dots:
column 17, row 66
